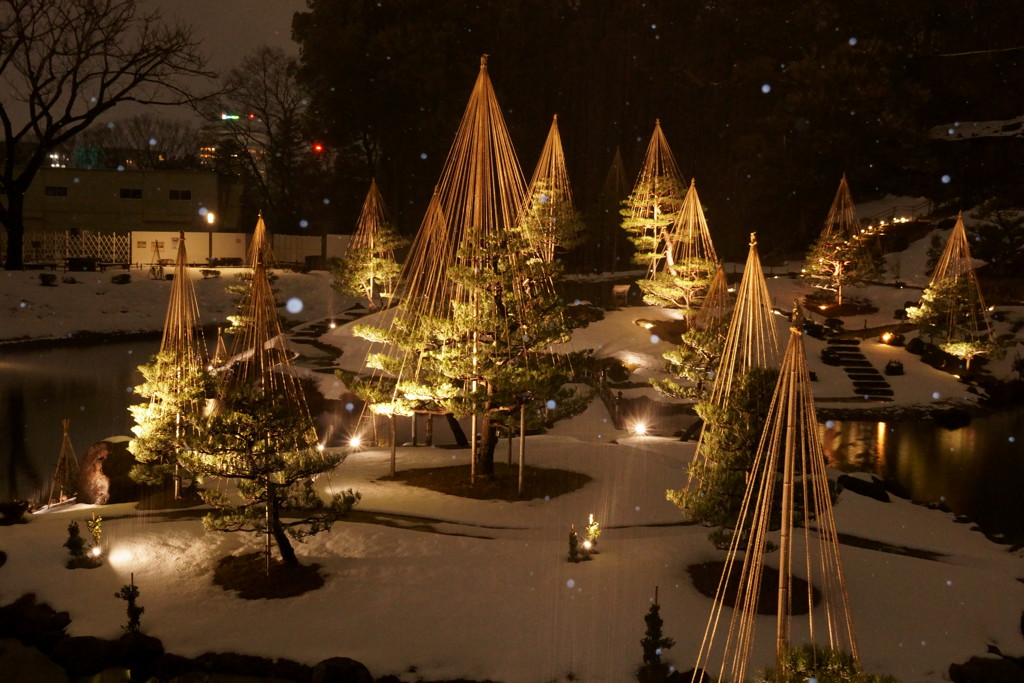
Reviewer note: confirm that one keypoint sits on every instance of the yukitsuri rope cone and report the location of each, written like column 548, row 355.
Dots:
column 841, row 222
column 473, row 212
column 841, row 255
column 651, row 208
column 750, row 344
column 371, row 253
column 181, row 360
column 789, row 445
column 751, row 341
column 260, row 355
column 688, row 238
column 714, row 309
column 550, row 196
column 181, row 324
column 65, row 475
column 954, row 273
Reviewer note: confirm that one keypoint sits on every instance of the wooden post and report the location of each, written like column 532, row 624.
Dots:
column 510, row 432
column 430, row 429
column 394, row 443
column 786, row 529
column 415, row 428
column 522, row 444
column 472, row 449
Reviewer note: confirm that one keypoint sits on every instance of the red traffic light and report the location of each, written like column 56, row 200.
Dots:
column 318, row 147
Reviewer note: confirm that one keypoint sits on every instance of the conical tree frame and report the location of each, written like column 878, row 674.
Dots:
column 956, row 265
column 752, row 340
column 714, row 309
column 477, row 202
column 65, row 474
column 841, row 222
column 260, row 354
column 643, row 205
column 790, row 444
column 689, row 238
column 551, row 176
column 373, row 217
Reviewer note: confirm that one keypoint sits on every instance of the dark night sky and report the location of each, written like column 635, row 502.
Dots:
column 230, row 29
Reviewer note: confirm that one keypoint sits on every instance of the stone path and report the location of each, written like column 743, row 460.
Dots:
column 868, row 382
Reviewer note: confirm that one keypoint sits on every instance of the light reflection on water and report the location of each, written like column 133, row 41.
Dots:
column 90, row 385
column 977, row 471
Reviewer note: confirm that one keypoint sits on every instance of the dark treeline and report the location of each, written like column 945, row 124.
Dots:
column 765, row 103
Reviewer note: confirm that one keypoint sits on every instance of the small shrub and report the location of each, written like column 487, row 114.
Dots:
column 130, row 593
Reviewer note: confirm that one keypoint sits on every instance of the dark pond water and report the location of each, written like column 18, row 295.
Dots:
column 90, row 385
column 977, row 471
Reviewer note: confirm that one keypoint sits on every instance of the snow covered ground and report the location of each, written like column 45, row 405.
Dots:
column 482, row 589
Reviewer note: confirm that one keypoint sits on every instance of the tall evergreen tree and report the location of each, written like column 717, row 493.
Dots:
column 729, row 442
column 257, row 439
column 841, row 255
column 369, row 269
column 174, row 392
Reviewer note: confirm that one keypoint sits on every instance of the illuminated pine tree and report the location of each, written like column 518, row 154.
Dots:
column 175, row 385
column 683, row 268
column 478, row 310
column 841, row 255
column 369, row 269
column 650, row 210
column 952, row 311
column 257, row 439
column 550, row 218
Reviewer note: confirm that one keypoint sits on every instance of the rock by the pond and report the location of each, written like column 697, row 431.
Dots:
column 341, row 670
column 26, row 664
column 872, row 488
column 84, row 655
column 33, row 623
column 103, row 474
column 987, row 670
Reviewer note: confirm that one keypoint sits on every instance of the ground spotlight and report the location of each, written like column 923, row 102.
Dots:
column 640, row 429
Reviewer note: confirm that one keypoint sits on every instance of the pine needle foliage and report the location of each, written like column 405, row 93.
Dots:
column 175, row 392
column 369, row 269
column 841, row 255
column 732, row 431
column 257, row 439
column 825, row 665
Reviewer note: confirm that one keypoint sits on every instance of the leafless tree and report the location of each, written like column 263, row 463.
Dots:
column 263, row 112
column 143, row 142
column 63, row 64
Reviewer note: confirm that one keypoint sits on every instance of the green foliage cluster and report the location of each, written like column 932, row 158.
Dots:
column 945, row 314
column 648, row 214
column 488, row 354
column 653, row 643
column 719, row 475
column 257, row 439
column 694, row 360
column 834, row 262
column 550, row 219
column 823, row 664
column 174, row 393
column 370, row 271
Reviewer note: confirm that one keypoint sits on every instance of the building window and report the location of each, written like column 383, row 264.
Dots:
column 56, row 191
column 131, row 193
column 181, row 194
